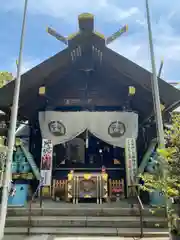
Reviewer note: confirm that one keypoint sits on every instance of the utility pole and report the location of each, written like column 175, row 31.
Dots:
column 155, row 86
column 157, row 106
column 12, row 130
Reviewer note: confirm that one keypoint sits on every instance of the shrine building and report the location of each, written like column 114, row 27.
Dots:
column 89, row 117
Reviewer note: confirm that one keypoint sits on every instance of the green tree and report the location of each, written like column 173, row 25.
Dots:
column 170, row 185
column 5, row 77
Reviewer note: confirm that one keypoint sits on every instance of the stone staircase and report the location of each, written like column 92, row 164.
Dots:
column 83, row 221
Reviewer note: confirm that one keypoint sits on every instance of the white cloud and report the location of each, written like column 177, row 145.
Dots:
column 166, row 45
column 69, row 11
column 27, row 64
column 135, row 44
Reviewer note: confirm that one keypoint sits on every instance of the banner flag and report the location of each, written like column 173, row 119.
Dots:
column 46, row 162
column 131, row 162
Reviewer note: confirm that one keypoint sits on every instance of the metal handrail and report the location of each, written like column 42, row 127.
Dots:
column 39, row 188
column 140, row 202
column 141, row 208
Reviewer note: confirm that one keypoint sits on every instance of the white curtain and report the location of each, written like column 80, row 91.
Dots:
column 61, row 127
column 111, row 127
column 114, row 127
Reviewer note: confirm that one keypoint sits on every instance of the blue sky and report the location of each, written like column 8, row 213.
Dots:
column 109, row 16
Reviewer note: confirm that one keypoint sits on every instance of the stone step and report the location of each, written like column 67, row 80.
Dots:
column 50, row 237
column 103, row 238
column 83, row 221
column 88, row 231
column 81, row 211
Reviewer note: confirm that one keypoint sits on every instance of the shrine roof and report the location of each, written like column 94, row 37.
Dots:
column 62, row 64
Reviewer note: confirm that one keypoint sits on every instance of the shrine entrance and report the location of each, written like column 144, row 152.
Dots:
column 89, row 160
column 87, row 166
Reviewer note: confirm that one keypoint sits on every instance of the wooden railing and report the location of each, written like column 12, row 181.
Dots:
column 116, row 187
column 60, row 187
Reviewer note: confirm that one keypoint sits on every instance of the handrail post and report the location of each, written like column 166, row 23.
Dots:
column 141, row 221
column 30, row 206
column 41, row 202
column 141, row 208
column 40, row 196
column 29, row 218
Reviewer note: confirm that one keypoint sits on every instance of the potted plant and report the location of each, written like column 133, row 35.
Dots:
column 168, row 181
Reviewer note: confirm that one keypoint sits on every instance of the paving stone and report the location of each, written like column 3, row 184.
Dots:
column 105, row 238
column 77, row 231
column 40, row 237
column 20, row 237
column 48, row 237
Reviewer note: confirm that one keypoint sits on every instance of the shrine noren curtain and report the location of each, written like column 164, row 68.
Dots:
column 114, row 127
column 61, row 127
column 110, row 127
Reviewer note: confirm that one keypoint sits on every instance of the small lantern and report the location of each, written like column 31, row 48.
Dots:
column 132, row 91
column 42, row 90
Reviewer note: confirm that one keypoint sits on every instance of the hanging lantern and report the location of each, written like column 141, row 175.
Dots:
column 42, row 90
column 132, row 91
